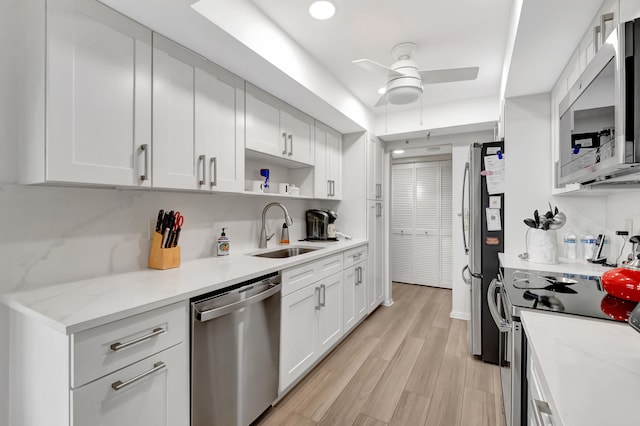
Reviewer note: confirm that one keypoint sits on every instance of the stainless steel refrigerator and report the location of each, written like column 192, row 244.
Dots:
column 482, row 245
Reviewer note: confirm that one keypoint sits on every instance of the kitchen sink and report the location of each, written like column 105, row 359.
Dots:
column 286, row 252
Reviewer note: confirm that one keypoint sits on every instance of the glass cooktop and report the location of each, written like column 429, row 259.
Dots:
column 564, row 293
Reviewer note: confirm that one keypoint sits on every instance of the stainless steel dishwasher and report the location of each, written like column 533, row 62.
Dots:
column 235, row 347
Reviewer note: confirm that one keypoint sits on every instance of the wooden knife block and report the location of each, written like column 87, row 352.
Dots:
column 160, row 257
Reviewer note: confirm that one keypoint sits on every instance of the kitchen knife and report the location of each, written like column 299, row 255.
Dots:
column 176, row 236
column 160, row 221
column 165, row 226
column 172, row 220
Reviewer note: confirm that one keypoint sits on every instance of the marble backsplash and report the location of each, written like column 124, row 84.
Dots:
column 53, row 235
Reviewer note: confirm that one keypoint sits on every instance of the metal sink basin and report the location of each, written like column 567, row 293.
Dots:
column 286, row 252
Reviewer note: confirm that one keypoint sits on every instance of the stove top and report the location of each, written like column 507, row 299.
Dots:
column 564, row 293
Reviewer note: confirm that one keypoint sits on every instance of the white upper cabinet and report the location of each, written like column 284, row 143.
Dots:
column 328, row 164
column 277, row 129
column 94, row 124
column 197, row 122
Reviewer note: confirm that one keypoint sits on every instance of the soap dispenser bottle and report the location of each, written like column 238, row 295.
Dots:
column 284, row 236
column 223, row 244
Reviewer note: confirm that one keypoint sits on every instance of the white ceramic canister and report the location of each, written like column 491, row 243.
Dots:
column 542, row 246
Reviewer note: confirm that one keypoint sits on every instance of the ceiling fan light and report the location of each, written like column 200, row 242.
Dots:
column 402, row 95
column 322, row 9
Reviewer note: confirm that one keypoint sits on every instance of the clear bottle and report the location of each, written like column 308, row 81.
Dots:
column 588, row 242
column 570, row 243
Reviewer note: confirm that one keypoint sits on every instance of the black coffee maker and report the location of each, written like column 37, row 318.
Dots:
column 320, row 225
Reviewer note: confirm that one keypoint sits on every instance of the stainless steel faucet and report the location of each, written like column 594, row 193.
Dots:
column 263, row 231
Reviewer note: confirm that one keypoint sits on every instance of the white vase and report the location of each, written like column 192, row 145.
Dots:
column 542, row 246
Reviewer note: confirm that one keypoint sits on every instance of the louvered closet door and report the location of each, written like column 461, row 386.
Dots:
column 446, row 211
column 402, row 222
column 427, row 224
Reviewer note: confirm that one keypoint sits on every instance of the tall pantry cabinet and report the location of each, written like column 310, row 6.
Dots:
column 375, row 220
column 421, row 223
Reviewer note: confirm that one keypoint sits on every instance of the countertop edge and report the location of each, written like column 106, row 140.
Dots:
column 178, row 292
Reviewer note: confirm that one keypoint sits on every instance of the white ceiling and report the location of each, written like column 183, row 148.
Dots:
column 449, row 34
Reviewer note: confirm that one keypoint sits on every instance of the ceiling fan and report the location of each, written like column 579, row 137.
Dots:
column 405, row 80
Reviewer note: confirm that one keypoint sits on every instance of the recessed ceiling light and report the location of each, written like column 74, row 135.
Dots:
column 322, row 9
column 382, row 90
column 399, row 151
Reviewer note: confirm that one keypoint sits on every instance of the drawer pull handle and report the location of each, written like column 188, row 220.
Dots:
column 117, row 346
column 120, row 384
column 540, row 408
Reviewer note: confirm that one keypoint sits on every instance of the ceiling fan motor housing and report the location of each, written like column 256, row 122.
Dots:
column 407, row 88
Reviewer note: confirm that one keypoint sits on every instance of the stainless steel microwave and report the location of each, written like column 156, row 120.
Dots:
column 599, row 131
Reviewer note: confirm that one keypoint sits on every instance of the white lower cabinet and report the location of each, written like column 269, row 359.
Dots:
column 134, row 371
column 298, row 334
column 355, row 283
column 541, row 410
column 318, row 309
column 330, row 312
column 153, row 391
column 311, row 322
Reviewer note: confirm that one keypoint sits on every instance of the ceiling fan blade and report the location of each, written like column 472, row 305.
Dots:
column 370, row 65
column 448, row 74
column 382, row 101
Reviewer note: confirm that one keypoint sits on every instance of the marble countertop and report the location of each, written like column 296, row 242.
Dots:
column 591, row 367
column 77, row 306
column 566, row 266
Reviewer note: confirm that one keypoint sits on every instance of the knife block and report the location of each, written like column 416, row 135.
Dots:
column 160, row 257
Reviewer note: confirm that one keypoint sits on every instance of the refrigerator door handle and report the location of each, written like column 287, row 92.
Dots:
column 466, row 280
column 475, row 275
column 464, row 185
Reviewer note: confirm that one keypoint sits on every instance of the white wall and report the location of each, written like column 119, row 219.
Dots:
column 528, row 175
column 620, row 207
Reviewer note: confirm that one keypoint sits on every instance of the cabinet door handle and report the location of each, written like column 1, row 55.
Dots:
column 359, row 275
column 201, row 161
column 328, row 188
column 145, row 149
column 333, row 188
column 539, row 408
column 316, row 294
column 284, row 136
column 290, row 145
column 118, row 346
column 213, row 176
column 323, row 290
column 120, row 384
column 596, row 39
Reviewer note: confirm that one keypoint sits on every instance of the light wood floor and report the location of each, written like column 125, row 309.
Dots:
column 407, row 364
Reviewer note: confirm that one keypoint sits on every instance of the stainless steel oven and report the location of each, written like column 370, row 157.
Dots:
column 512, row 350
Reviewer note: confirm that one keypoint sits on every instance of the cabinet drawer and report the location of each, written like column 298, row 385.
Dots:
column 102, row 350
column 301, row 276
column 355, row 255
column 154, row 391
